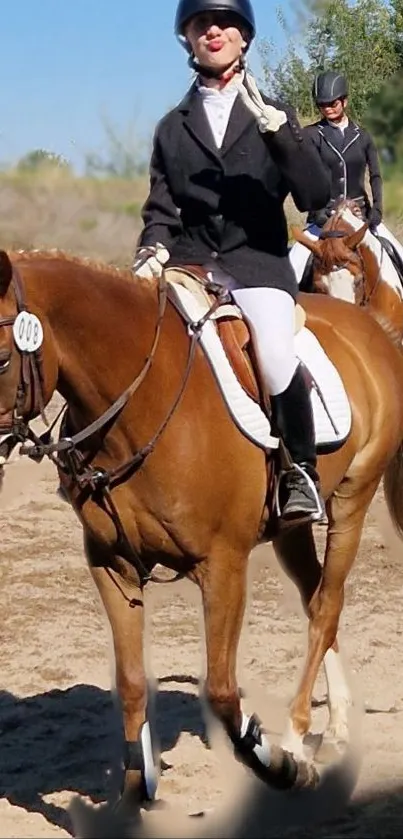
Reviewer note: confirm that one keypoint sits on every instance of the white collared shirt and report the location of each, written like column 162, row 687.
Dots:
column 218, row 105
column 341, row 126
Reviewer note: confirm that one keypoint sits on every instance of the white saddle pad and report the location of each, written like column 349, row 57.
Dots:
column 332, row 419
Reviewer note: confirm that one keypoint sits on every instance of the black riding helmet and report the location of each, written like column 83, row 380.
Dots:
column 329, row 86
column 188, row 8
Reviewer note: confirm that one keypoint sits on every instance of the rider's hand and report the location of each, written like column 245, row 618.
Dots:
column 320, row 217
column 149, row 261
column 374, row 218
column 268, row 118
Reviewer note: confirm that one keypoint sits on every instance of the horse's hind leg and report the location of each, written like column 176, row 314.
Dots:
column 223, row 584
column 123, row 603
column 296, row 552
column 346, row 519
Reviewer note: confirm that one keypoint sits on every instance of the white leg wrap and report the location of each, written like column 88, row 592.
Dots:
column 150, row 771
column 262, row 746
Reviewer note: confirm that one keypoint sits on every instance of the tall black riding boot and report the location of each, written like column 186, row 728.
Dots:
column 299, row 488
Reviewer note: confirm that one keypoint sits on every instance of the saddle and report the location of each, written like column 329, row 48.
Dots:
column 231, row 326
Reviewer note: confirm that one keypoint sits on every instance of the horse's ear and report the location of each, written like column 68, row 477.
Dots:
column 356, row 238
column 300, row 237
column 6, row 272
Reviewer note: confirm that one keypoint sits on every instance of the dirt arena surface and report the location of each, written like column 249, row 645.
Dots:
column 60, row 733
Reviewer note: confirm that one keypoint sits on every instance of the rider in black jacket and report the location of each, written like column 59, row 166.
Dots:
column 223, row 162
column 346, row 149
column 349, row 152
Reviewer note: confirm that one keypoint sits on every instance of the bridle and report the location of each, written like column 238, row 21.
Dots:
column 359, row 278
column 31, row 381
column 65, row 453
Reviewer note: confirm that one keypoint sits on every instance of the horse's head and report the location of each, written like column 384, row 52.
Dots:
column 337, row 266
column 24, row 371
column 10, row 361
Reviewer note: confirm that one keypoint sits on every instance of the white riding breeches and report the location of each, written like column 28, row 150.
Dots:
column 270, row 313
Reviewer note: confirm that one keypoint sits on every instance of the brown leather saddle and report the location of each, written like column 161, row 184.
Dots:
column 231, row 326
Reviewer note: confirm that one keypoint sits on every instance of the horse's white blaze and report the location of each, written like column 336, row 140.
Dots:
column 339, row 696
column 388, row 272
column 340, row 284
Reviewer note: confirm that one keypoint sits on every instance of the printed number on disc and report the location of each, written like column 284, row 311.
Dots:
column 28, row 332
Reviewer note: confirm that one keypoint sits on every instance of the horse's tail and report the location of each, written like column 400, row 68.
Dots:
column 393, row 489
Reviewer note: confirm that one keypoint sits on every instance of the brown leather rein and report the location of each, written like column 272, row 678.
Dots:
column 65, row 453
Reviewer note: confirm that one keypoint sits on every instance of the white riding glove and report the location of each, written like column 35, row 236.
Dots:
column 267, row 117
column 149, row 261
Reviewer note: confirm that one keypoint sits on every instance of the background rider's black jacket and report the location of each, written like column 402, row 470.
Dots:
column 347, row 157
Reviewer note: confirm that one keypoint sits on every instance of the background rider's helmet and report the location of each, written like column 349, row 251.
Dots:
column 329, row 86
column 188, row 8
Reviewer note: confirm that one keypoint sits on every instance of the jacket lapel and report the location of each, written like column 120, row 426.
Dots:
column 240, row 119
column 350, row 135
column 340, row 141
column 196, row 122
column 333, row 136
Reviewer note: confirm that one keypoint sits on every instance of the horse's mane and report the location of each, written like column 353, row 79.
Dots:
column 392, row 332
column 79, row 261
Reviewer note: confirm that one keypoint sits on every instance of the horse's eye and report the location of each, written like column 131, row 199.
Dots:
column 5, row 359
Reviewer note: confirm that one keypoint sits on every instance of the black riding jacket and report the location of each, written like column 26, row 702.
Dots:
column 226, row 204
column 347, row 155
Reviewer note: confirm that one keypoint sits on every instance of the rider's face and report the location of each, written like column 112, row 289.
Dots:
column 333, row 110
column 216, row 38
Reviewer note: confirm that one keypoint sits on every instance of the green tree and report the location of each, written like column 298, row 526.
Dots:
column 384, row 118
column 358, row 39
column 288, row 76
column 397, row 17
column 38, row 159
column 125, row 156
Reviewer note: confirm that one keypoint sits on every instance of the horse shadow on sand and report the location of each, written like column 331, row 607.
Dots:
column 71, row 740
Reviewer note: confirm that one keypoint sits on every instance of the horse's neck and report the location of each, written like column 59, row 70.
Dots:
column 101, row 325
column 382, row 290
column 383, row 272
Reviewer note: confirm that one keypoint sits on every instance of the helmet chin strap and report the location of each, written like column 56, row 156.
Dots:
column 215, row 73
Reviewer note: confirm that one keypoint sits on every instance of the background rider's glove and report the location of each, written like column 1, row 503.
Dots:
column 374, row 217
column 267, row 117
column 149, row 261
column 320, row 217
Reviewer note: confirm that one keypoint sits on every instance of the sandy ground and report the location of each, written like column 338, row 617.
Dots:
column 60, row 730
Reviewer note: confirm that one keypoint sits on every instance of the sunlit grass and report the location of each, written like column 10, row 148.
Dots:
column 100, row 217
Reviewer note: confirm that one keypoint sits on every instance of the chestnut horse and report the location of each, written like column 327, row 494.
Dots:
column 158, row 473
column 353, row 264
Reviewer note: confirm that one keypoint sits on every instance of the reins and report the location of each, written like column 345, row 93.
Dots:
column 65, row 453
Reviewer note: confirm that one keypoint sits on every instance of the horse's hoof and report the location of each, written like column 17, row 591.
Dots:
column 155, row 804
column 307, row 776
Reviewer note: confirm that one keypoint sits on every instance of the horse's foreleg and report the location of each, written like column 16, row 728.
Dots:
column 346, row 521
column 297, row 555
column 223, row 586
column 296, row 552
column 123, row 603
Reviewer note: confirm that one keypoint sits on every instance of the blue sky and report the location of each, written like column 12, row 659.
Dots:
column 67, row 66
